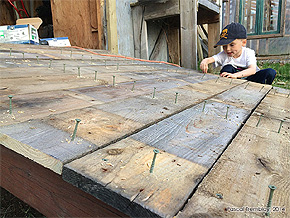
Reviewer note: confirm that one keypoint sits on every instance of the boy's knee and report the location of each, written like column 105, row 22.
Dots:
column 271, row 72
column 229, row 69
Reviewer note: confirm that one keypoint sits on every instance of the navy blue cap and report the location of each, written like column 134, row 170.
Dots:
column 232, row 32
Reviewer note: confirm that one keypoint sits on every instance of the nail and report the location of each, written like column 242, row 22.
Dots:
column 272, row 189
column 280, row 126
column 288, row 95
column 71, row 53
column 79, row 71
column 227, row 112
column 91, row 59
column 10, row 103
column 154, row 92
column 133, row 86
column 203, row 76
column 76, row 128
column 37, row 59
column 96, row 72
column 117, row 66
column 82, row 56
column 114, row 80
column 259, row 120
column 176, row 94
column 49, row 66
column 217, row 79
column 64, row 68
column 106, row 63
column 247, row 85
column 23, row 54
column 153, row 161
column 204, row 105
column 261, row 88
column 231, row 81
column 10, row 51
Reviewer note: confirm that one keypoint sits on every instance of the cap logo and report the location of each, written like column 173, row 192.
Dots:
column 224, row 34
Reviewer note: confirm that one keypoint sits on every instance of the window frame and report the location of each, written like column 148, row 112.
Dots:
column 259, row 34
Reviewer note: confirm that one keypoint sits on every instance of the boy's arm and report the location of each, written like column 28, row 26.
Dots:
column 205, row 62
column 251, row 70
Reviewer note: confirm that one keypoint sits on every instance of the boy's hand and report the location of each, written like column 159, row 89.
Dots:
column 204, row 66
column 229, row 75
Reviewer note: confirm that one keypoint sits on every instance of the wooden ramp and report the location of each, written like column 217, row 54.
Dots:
column 212, row 154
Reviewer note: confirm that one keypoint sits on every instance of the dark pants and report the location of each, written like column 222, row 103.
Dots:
column 265, row 76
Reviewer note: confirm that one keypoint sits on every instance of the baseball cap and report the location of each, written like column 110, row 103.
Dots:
column 232, row 32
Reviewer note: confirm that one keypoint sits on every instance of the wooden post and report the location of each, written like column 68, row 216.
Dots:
column 188, row 33
column 213, row 37
column 112, row 26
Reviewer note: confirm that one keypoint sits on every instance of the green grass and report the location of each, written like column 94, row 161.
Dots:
column 282, row 79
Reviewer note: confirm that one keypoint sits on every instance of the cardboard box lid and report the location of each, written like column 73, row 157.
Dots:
column 35, row 21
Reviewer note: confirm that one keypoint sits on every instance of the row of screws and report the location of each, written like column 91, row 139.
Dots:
column 281, row 122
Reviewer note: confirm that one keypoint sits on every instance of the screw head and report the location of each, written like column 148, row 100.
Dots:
column 78, row 120
column 156, row 151
column 272, row 187
column 10, row 96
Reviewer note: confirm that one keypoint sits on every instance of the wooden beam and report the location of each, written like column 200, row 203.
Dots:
column 46, row 191
column 156, row 11
column 209, row 5
column 213, row 37
column 188, row 33
column 112, row 26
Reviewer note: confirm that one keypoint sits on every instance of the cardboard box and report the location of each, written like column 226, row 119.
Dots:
column 19, row 34
column 59, row 41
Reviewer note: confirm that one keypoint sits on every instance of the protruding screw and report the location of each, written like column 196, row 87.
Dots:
column 153, row 161
column 96, row 72
column 49, row 66
column 280, row 126
column 114, row 80
column 64, row 68
column 204, row 105
column 217, row 79
column 247, row 85
column 259, row 120
column 227, row 112
column 203, row 76
column 133, row 86
column 231, row 81
column 23, row 55
column 37, row 59
column 76, row 128
column 153, row 96
column 272, row 189
column 176, row 94
column 288, row 95
column 10, row 103
column 71, row 53
column 10, row 51
column 117, row 66
column 79, row 71
column 106, row 63
column 261, row 88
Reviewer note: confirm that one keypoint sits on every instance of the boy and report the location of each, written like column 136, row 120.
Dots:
column 236, row 60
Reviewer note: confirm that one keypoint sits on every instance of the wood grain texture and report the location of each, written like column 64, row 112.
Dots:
column 119, row 175
column 157, row 11
column 46, row 191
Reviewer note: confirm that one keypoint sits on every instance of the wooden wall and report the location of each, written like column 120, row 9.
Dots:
column 7, row 15
column 80, row 21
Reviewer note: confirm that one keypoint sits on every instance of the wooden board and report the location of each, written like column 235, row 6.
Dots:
column 245, row 188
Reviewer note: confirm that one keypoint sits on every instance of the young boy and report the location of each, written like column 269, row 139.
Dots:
column 236, row 60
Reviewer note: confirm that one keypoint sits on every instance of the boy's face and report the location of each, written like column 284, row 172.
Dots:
column 234, row 49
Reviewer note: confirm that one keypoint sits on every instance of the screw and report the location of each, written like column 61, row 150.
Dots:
column 153, row 161
column 272, row 188
column 261, row 88
column 274, row 91
column 154, row 92
column 259, row 120
column 114, row 80
column 76, row 128
column 82, row 56
column 280, row 126
column 247, row 85
column 220, row 196
column 10, row 103
column 71, row 53
column 176, row 93
column 231, row 81
column 106, row 63
column 227, row 112
column 49, row 66
column 133, row 86
column 204, row 105
column 203, row 76
column 23, row 55
column 37, row 59
column 10, row 51
column 96, row 72
column 288, row 95
column 79, row 71
column 117, row 66
column 217, row 79
column 64, row 68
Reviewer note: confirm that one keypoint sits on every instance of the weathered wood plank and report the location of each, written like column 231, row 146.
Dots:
column 46, row 191
column 244, row 184
column 123, row 180
column 157, row 11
